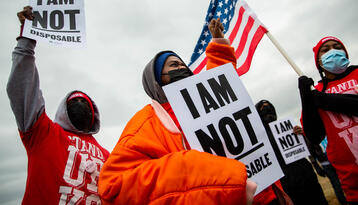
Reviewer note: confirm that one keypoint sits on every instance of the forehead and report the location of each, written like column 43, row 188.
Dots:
column 173, row 58
column 78, row 99
column 330, row 43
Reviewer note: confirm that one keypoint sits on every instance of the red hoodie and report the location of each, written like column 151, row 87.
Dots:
column 342, row 136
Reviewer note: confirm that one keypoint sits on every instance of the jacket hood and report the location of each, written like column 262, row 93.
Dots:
column 64, row 121
column 150, row 85
column 264, row 115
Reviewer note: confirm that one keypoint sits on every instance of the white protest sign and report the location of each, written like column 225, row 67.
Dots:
column 217, row 116
column 58, row 22
column 292, row 147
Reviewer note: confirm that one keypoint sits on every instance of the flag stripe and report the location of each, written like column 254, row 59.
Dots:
column 241, row 59
column 243, row 39
column 255, row 41
column 237, row 25
column 201, row 66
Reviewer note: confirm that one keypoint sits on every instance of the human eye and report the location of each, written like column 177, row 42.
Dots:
column 324, row 50
column 174, row 64
column 338, row 46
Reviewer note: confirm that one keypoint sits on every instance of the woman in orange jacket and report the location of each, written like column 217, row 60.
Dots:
column 152, row 162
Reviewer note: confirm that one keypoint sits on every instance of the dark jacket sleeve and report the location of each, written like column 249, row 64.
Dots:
column 311, row 120
column 341, row 103
column 23, row 87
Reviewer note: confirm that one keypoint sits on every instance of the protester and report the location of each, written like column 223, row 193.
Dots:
column 331, row 109
column 322, row 166
column 152, row 161
column 64, row 159
column 300, row 181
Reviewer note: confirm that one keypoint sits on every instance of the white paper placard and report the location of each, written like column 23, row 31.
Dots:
column 292, row 147
column 57, row 22
column 217, row 116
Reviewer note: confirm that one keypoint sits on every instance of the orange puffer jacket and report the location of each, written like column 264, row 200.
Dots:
column 150, row 165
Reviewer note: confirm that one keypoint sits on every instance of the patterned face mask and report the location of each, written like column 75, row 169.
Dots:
column 335, row 61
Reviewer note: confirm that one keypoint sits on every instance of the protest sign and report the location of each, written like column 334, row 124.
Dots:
column 217, row 116
column 58, row 22
column 292, row 146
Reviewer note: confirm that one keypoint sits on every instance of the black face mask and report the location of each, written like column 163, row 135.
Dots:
column 268, row 114
column 80, row 115
column 179, row 74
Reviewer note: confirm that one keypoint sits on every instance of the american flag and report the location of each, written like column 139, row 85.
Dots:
column 241, row 27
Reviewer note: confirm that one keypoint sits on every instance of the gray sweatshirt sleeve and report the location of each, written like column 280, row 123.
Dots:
column 23, row 87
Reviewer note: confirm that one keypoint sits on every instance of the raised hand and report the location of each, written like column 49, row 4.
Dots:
column 26, row 13
column 216, row 28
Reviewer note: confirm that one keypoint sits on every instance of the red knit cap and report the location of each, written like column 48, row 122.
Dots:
column 320, row 43
column 78, row 94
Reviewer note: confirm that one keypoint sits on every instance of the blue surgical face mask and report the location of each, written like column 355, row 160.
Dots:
column 335, row 61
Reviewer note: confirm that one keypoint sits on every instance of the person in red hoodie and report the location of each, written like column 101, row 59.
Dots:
column 331, row 110
column 64, row 159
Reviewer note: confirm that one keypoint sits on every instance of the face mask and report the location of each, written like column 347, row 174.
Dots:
column 179, row 74
column 335, row 61
column 80, row 115
column 268, row 114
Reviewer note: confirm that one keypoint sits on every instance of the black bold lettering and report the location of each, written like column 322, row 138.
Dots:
column 249, row 174
column 296, row 137
column 223, row 123
column 40, row 19
column 206, row 99
column 39, row 2
column 253, row 168
column 278, row 132
column 283, row 142
column 72, row 15
column 210, row 143
column 242, row 114
column 56, row 14
column 54, row 2
column 283, row 129
column 264, row 165
column 267, row 159
column 189, row 102
column 66, row 1
column 258, row 165
column 222, row 90
column 288, row 125
column 289, row 140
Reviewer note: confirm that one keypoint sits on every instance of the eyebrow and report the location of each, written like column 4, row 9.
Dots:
column 174, row 61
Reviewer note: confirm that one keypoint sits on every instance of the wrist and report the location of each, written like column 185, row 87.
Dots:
column 21, row 31
column 221, row 41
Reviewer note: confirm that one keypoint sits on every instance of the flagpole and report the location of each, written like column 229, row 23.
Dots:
column 284, row 53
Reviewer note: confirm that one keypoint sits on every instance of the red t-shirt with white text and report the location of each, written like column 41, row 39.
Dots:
column 63, row 167
column 342, row 136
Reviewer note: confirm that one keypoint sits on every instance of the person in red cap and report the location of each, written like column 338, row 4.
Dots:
column 64, row 159
column 331, row 110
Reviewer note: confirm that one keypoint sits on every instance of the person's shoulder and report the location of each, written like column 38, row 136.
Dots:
column 319, row 85
column 141, row 117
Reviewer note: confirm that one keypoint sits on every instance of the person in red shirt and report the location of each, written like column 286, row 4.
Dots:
column 64, row 159
column 331, row 109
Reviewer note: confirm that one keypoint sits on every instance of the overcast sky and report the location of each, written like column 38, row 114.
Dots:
column 123, row 35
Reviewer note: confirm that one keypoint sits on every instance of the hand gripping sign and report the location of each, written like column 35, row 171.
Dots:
column 217, row 116
column 292, row 146
column 58, row 22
